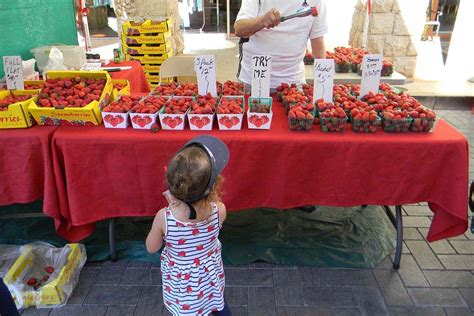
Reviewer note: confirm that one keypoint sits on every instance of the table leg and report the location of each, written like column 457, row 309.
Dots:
column 112, row 246
column 398, row 223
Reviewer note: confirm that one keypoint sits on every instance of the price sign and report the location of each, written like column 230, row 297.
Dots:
column 205, row 67
column 261, row 68
column 371, row 71
column 323, row 79
column 92, row 66
column 13, row 67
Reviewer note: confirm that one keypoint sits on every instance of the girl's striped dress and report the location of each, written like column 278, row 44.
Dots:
column 191, row 266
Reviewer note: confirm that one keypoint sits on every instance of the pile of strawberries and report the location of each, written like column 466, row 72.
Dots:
column 423, row 119
column 333, row 118
column 230, row 106
column 119, row 86
column 11, row 99
column 301, row 117
column 186, row 89
column 204, row 105
column 284, row 89
column 178, row 105
column 151, row 104
column 233, row 88
column 365, row 120
column 259, row 106
column 165, row 88
column 122, row 105
column 33, row 86
column 70, row 92
column 36, row 283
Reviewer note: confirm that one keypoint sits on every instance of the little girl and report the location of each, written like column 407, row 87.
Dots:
column 191, row 263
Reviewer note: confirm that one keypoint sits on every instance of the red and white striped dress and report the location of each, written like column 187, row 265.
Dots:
column 191, row 266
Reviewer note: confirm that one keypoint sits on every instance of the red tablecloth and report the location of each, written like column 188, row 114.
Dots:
column 25, row 164
column 136, row 76
column 103, row 173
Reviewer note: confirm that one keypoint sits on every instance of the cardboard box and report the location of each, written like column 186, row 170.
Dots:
column 56, row 291
column 231, row 122
column 125, row 91
column 150, row 58
column 144, row 49
column 87, row 115
column 18, row 114
column 136, row 28
column 146, row 39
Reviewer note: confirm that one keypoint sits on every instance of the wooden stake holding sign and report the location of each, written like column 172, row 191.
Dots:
column 261, row 68
column 205, row 67
column 13, row 67
column 323, row 79
column 371, row 71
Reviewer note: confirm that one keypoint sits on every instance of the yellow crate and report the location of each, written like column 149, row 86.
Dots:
column 154, row 84
column 30, row 82
column 18, row 114
column 87, row 115
column 151, row 67
column 153, row 76
column 55, row 291
column 147, row 49
column 150, row 58
column 125, row 91
column 146, row 39
column 135, row 28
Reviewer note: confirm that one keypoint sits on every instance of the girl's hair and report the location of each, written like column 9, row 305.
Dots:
column 189, row 173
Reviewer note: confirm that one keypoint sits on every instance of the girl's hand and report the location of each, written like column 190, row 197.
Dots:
column 154, row 240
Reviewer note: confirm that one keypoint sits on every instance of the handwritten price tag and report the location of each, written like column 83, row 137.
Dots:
column 13, row 67
column 371, row 71
column 261, row 68
column 205, row 67
column 323, row 79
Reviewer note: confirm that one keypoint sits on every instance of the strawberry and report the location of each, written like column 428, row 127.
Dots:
column 300, row 117
column 186, row 89
column 178, row 105
column 122, row 105
column 365, row 120
column 395, row 120
column 423, row 119
column 32, row 281
column 165, row 89
column 314, row 11
column 333, row 119
column 204, row 105
column 230, row 106
column 49, row 269
column 12, row 99
column 150, row 105
column 155, row 128
column 233, row 88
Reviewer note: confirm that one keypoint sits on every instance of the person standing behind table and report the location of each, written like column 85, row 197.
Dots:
column 191, row 263
column 259, row 21
column 7, row 304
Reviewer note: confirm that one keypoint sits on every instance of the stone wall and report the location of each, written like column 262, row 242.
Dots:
column 158, row 10
column 388, row 34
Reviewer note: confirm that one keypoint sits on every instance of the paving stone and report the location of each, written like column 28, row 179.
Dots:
column 463, row 247
column 261, row 301
column 88, row 276
column 301, row 311
column 442, row 247
column 417, row 210
column 447, row 278
column 254, row 277
column 347, row 277
column 76, row 310
column 120, row 311
column 118, row 263
column 156, row 277
column 392, row 288
column 459, row 311
column 110, row 275
column 93, row 264
column 150, row 301
column 287, row 287
column 79, row 294
column 411, row 233
column 346, row 311
column 468, row 295
column 113, row 295
column 134, row 276
column 328, row 296
column 410, row 273
column 437, row 297
column 385, row 264
column 457, row 262
column 139, row 264
column 423, row 254
column 236, row 295
column 309, row 276
column 370, row 300
column 260, row 265
column 36, row 312
column 416, row 221
column 239, row 311
column 416, row 311
column 460, row 237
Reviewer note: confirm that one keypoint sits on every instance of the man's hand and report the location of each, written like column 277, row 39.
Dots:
column 270, row 19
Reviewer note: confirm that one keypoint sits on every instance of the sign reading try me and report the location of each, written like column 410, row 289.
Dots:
column 261, row 67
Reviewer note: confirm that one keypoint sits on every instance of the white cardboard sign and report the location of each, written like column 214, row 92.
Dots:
column 261, row 68
column 205, row 67
column 323, row 79
column 13, row 67
column 371, row 71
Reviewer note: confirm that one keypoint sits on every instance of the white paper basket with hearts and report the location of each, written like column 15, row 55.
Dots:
column 115, row 120
column 259, row 120
column 230, row 122
column 200, row 122
column 143, row 120
column 172, row 122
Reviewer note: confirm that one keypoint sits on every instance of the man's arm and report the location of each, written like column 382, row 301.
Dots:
column 248, row 27
column 318, row 48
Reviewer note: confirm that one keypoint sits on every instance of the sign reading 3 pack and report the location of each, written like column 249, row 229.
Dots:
column 261, row 68
column 13, row 67
column 371, row 71
column 205, row 67
column 323, row 79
